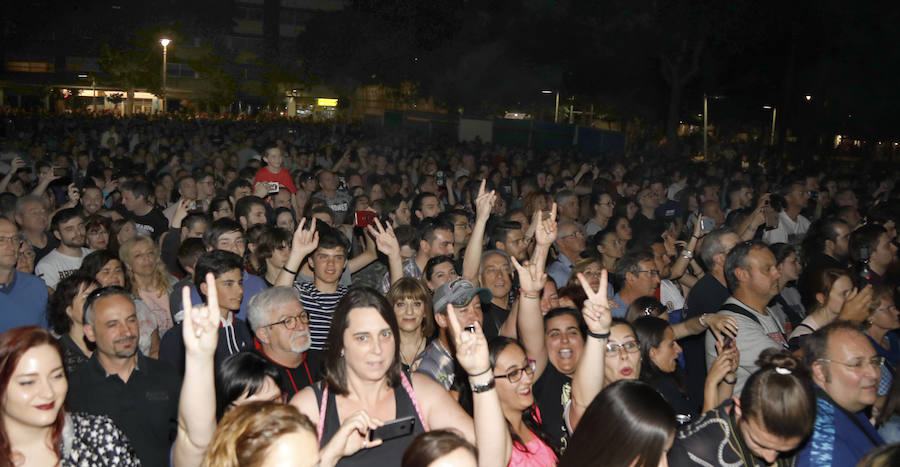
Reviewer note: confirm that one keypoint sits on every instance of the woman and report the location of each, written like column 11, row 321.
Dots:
column 363, row 374
column 883, row 318
column 778, row 404
column 97, row 230
column 412, row 304
column 627, row 424
column 122, row 231
column 438, row 271
column 787, row 305
column 245, row 377
column 33, row 390
column 25, row 258
column 660, row 351
column 824, row 295
column 149, row 279
column 623, row 353
column 104, row 267
column 440, row 448
column 284, row 219
column 65, row 313
column 609, row 246
column 220, row 207
column 272, row 251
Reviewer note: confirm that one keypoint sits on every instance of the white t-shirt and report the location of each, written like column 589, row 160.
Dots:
column 56, row 266
column 787, row 231
column 670, row 295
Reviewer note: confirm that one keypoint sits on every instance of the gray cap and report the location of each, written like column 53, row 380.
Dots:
column 459, row 292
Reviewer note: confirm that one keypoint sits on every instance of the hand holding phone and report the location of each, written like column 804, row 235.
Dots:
column 393, row 429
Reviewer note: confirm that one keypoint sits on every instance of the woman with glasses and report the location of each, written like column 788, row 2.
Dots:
column 97, row 230
column 623, row 353
column 25, row 259
column 660, row 352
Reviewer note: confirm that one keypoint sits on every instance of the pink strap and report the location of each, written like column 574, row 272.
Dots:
column 412, row 397
column 321, row 426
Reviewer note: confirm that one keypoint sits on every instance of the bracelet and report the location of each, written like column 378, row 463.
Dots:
column 694, row 236
column 687, row 254
column 598, row 336
column 702, row 320
column 479, row 374
column 535, row 296
column 480, row 388
column 288, row 270
column 734, row 381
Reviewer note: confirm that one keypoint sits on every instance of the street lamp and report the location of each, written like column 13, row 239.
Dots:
column 774, row 111
column 807, row 97
column 706, row 119
column 556, row 108
column 165, row 44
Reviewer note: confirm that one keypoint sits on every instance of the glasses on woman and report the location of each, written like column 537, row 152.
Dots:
column 628, row 347
column 515, row 375
column 291, row 322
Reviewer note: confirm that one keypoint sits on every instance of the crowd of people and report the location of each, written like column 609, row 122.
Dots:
column 200, row 292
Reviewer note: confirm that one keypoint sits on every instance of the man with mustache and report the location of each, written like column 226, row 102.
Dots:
column 281, row 328
column 68, row 227
column 138, row 393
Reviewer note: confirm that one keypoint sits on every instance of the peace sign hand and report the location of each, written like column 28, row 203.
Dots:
column 471, row 345
column 596, row 312
column 200, row 328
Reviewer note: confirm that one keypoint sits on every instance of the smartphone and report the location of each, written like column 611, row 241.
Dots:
column 273, row 187
column 364, row 218
column 771, row 218
column 393, row 429
column 192, row 205
column 727, row 342
column 707, row 224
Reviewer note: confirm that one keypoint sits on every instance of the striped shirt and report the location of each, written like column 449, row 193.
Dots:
column 320, row 306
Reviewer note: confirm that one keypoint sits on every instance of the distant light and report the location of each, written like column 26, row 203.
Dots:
column 546, row 92
column 325, row 102
column 699, row 115
column 767, row 107
column 808, row 97
column 82, row 75
column 165, row 42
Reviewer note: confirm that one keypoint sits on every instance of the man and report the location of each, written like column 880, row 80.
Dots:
column 752, row 278
column 435, row 239
column 874, row 241
column 327, row 258
column 827, row 244
column 569, row 208
column 462, row 229
column 509, row 238
column 187, row 190
column 713, row 210
column 496, row 274
column 338, row 201
column 740, row 196
column 280, row 199
column 707, row 295
column 636, row 276
column 226, row 234
column 189, row 252
column 645, row 219
column 570, row 244
column 281, row 327
column 438, row 362
column 250, row 211
column 846, row 370
column 32, row 218
column 234, row 335
column 206, row 189
column 237, row 189
column 137, row 200
column 68, row 227
column 23, row 297
column 669, row 292
column 192, row 225
column 138, row 393
column 425, row 205
column 792, row 226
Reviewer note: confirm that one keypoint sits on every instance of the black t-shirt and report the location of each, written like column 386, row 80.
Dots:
column 552, row 392
column 494, row 317
column 292, row 380
column 169, row 252
column 668, row 387
column 154, row 223
column 707, row 296
column 39, row 253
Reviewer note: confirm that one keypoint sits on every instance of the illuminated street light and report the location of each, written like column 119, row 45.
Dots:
column 807, row 97
column 165, row 44
column 556, row 107
column 772, row 134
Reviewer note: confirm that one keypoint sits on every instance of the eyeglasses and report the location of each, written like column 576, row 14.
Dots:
column 590, row 273
column 875, row 362
column 887, row 308
column 13, row 240
column 290, row 323
column 628, row 347
column 515, row 375
column 576, row 233
column 653, row 272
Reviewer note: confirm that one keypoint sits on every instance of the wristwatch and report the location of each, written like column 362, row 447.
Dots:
column 479, row 388
column 687, row 254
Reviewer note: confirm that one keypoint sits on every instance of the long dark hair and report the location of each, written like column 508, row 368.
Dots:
column 529, row 415
column 650, row 332
column 62, row 298
column 628, row 423
column 13, row 344
column 239, row 373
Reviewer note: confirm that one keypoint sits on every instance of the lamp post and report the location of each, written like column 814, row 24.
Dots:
column 705, row 121
column 165, row 44
column 556, row 107
column 774, row 112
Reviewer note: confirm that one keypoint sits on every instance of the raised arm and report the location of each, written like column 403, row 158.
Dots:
column 531, row 281
column 14, row 167
column 683, row 261
column 491, row 432
column 304, row 242
column 588, row 379
column 484, row 203
column 387, row 243
column 197, row 403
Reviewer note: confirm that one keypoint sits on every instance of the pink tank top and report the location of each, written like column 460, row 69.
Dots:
column 538, row 455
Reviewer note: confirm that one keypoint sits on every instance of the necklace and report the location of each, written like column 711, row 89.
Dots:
column 420, row 345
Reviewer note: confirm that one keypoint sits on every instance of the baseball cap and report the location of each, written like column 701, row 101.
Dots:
column 459, row 292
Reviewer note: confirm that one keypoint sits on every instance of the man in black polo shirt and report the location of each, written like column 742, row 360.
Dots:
column 281, row 328
column 139, row 394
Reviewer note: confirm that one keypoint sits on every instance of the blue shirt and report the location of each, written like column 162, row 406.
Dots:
column 23, row 302
column 837, row 439
column 560, row 270
column 252, row 286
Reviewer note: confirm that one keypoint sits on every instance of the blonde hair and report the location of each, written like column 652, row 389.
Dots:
column 582, row 266
column 160, row 280
column 246, row 433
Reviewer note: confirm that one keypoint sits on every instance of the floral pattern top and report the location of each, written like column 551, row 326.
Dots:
column 94, row 440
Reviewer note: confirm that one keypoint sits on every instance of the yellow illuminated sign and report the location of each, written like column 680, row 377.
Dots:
column 323, row 102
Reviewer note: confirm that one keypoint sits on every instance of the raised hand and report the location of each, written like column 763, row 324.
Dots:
column 596, row 312
column 16, row 164
column 726, row 362
column 545, row 229
column 305, row 241
column 385, row 239
column 484, row 203
column 722, row 325
column 856, row 306
column 531, row 280
column 471, row 345
column 200, row 328
column 261, row 189
column 74, row 194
